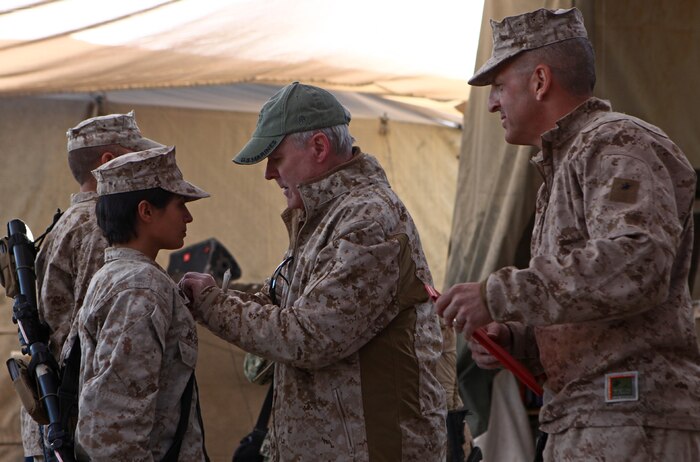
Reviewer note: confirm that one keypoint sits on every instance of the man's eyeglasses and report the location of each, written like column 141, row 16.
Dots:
column 275, row 278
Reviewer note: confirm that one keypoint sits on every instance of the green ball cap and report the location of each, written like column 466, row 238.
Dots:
column 295, row 108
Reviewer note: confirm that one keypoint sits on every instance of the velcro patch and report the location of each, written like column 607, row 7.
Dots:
column 621, row 386
column 624, row 190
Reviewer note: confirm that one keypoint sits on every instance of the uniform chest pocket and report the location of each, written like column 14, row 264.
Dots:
column 188, row 353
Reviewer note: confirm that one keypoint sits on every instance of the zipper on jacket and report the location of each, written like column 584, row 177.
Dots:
column 343, row 420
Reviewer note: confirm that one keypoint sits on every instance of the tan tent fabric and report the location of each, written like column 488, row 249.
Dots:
column 364, row 45
column 509, row 437
column 496, row 184
column 648, row 60
column 399, row 56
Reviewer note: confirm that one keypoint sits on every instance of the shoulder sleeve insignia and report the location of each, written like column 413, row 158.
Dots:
column 623, row 190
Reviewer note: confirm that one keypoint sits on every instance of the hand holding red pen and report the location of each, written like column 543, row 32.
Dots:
column 481, row 336
column 500, row 335
column 462, row 307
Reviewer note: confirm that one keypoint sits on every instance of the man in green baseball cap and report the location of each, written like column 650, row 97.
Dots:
column 295, row 108
column 317, row 125
column 347, row 301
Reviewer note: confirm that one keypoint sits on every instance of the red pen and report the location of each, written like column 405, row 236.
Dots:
column 499, row 353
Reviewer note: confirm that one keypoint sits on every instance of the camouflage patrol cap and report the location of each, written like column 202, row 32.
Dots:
column 528, row 31
column 118, row 129
column 152, row 168
column 295, row 108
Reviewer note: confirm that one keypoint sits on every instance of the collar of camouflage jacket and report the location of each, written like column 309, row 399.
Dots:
column 362, row 169
column 127, row 253
column 83, row 197
column 567, row 128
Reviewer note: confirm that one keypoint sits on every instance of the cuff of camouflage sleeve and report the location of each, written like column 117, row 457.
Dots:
column 206, row 298
column 484, row 298
column 524, row 346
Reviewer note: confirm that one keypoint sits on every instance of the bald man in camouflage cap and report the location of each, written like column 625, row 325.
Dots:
column 603, row 309
column 138, row 398
column 74, row 250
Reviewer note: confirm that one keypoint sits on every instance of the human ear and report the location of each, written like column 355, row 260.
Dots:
column 541, row 81
column 106, row 157
column 145, row 211
column 321, row 146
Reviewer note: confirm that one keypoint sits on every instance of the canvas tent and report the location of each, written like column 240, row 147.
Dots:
column 648, row 56
column 647, row 60
column 196, row 73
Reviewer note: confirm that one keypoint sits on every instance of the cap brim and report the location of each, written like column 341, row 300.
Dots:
column 257, row 149
column 485, row 75
column 187, row 190
column 144, row 143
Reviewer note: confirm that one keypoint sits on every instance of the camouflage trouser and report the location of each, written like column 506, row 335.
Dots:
column 623, row 444
column 265, row 449
column 31, row 439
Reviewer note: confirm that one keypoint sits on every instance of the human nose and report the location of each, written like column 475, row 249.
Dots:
column 188, row 216
column 494, row 100
column 270, row 171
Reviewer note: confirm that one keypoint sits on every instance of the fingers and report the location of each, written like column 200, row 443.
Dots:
column 500, row 334
column 192, row 284
column 448, row 305
column 482, row 357
column 185, row 288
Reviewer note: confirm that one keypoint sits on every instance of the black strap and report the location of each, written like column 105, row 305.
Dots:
column 248, row 450
column 40, row 240
column 185, row 405
column 68, row 391
column 539, row 447
column 265, row 410
column 455, row 433
column 201, row 424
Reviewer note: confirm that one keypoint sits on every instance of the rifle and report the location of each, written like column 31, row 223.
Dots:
column 40, row 378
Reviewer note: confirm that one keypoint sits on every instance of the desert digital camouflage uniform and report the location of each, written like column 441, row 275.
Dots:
column 606, row 289
column 355, row 340
column 649, row 444
column 139, row 349
column 74, row 250
column 71, row 253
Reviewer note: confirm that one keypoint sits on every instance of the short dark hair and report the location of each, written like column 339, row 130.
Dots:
column 116, row 213
column 572, row 62
column 84, row 160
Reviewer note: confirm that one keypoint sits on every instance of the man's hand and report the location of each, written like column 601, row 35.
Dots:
column 461, row 307
column 192, row 284
column 500, row 334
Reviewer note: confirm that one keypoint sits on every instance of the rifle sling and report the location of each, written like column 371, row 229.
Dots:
column 185, row 404
column 265, row 410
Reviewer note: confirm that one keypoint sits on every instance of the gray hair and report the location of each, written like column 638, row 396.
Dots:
column 339, row 136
